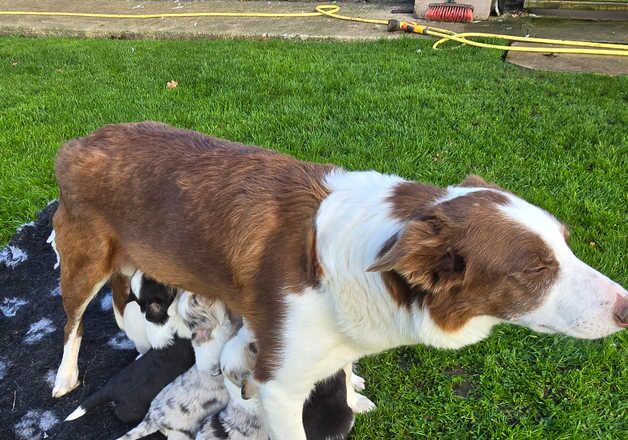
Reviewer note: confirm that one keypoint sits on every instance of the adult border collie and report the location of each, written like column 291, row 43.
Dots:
column 326, row 265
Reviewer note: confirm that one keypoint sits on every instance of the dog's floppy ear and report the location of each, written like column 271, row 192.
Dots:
column 473, row 180
column 476, row 181
column 388, row 259
column 424, row 254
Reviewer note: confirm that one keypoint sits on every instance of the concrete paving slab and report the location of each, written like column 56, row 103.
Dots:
column 607, row 65
column 197, row 27
column 302, row 28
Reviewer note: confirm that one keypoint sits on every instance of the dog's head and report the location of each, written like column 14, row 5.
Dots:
column 479, row 253
column 153, row 298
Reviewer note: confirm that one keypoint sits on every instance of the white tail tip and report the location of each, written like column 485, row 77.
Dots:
column 78, row 412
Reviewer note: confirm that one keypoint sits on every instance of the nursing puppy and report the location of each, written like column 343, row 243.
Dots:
column 180, row 407
column 352, row 262
column 326, row 414
column 134, row 387
column 151, row 320
column 240, row 419
column 159, row 304
column 134, row 324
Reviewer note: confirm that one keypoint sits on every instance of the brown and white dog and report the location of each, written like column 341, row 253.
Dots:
column 326, row 265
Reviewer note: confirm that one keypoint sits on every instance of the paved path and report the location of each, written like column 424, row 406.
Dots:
column 197, row 27
column 303, row 28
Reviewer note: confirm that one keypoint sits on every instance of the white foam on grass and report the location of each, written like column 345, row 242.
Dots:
column 11, row 256
column 25, row 225
column 106, row 302
column 121, row 342
column 56, row 291
column 34, row 424
column 38, row 330
column 10, row 306
column 50, row 377
column 4, row 367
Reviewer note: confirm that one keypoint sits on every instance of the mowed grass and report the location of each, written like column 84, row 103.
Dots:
column 559, row 140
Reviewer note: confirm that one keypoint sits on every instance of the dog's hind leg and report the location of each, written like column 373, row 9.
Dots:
column 120, row 286
column 85, row 268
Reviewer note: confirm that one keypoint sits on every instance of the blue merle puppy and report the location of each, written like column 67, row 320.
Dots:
column 240, row 419
column 179, row 409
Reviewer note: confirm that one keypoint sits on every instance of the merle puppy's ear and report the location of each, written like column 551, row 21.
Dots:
column 425, row 254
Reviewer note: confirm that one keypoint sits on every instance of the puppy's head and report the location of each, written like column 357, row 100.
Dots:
column 479, row 255
column 153, row 298
column 202, row 315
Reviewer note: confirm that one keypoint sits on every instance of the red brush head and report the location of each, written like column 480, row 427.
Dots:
column 452, row 12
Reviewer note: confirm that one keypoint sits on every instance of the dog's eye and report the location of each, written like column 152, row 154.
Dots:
column 536, row 269
column 539, row 265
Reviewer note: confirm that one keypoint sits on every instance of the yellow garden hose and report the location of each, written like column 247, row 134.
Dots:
column 332, row 11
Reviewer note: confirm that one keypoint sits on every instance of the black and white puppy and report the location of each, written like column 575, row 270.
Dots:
column 153, row 297
column 326, row 413
column 151, row 317
column 152, row 322
column 134, row 324
column 136, row 385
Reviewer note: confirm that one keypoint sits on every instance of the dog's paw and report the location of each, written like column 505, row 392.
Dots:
column 235, row 376
column 359, row 384
column 361, row 404
column 64, row 383
column 214, row 370
column 201, row 336
column 249, row 388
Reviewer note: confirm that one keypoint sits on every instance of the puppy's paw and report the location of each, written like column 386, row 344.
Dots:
column 359, row 384
column 214, row 370
column 235, row 376
column 201, row 336
column 361, row 404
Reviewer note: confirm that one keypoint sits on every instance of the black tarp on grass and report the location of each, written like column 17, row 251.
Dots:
column 31, row 345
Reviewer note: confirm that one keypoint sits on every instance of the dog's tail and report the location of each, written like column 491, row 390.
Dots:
column 99, row 397
column 142, row 430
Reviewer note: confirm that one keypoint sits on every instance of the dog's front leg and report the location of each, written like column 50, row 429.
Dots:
column 282, row 408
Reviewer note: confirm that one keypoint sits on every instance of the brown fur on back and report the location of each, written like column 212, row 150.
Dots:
column 207, row 215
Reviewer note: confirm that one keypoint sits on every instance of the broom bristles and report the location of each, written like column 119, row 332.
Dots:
column 452, row 12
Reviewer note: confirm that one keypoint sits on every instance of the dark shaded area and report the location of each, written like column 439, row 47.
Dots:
column 25, row 387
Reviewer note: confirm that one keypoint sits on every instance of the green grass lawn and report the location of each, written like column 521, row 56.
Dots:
column 559, row 140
